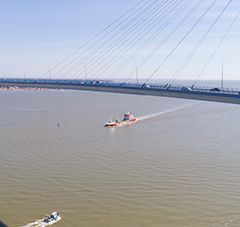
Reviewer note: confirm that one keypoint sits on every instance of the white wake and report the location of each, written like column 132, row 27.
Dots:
column 164, row 112
column 37, row 223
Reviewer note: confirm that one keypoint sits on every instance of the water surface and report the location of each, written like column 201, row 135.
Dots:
column 178, row 166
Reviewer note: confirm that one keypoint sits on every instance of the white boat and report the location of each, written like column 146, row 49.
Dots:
column 51, row 219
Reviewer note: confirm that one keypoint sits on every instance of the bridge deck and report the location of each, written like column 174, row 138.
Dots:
column 197, row 93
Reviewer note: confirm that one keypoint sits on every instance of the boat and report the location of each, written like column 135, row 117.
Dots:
column 128, row 119
column 48, row 220
column 51, row 219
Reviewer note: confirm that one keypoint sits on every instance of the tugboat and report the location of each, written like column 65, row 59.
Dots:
column 128, row 119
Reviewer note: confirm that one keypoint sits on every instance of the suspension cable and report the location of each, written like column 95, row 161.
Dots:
column 142, row 22
column 195, row 49
column 169, row 35
column 106, row 38
column 154, row 35
column 129, row 59
column 216, row 49
column 180, row 42
column 94, row 37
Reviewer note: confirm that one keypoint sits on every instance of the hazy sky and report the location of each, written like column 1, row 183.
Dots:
column 35, row 35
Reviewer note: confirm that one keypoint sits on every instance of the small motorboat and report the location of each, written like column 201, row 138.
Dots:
column 48, row 220
column 51, row 219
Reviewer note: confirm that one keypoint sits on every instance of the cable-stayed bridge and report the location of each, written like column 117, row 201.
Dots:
column 150, row 35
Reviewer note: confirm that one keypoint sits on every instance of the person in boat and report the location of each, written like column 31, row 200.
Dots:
column 46, row 219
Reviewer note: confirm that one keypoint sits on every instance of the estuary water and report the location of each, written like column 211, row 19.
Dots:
column 178, row 166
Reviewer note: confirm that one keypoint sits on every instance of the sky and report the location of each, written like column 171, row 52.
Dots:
column 36, row 35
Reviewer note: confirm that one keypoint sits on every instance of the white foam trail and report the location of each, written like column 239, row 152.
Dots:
column 164, row 112
column 37, row 223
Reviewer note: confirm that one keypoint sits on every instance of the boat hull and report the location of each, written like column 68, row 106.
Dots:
column 121, row 123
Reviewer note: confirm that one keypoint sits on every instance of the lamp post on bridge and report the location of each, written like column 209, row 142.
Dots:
column 222, row 74
column 86, row 70
column 136, row 72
